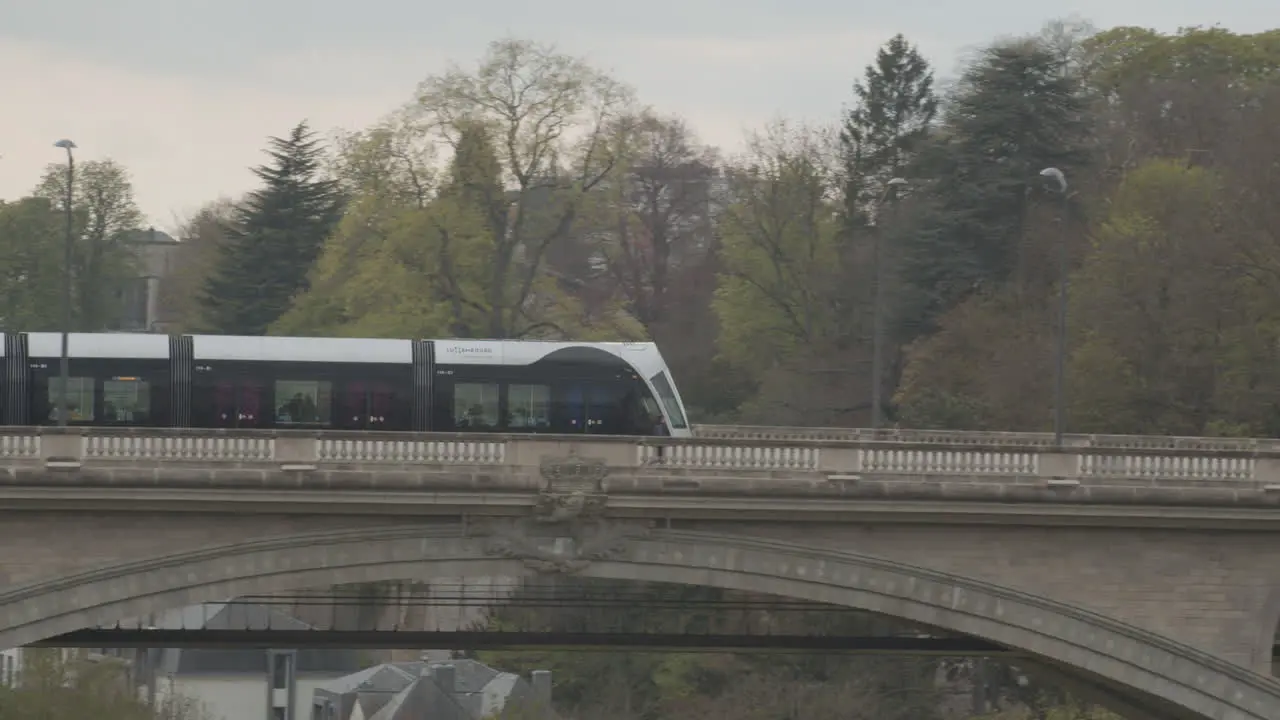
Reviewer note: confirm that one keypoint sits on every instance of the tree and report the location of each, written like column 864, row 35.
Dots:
column 662, row 221
column 1157, row 291
column 885, row 129
column 1173, row 323
column 1172, row 95
column 275, row 238
column 778, row 244
column 31, row 265
column 880, row 139
column 464, row 253
column 979, row 269
column 530, row 100
column 353, row 289
column 1014, row 113
column 986, row 367
column 472, row 218
column 393, row 160
column 783, row 299
column 104, row 214
column 61, row 684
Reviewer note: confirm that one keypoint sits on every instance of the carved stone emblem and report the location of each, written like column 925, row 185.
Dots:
column 565, row 550
column 566, row 530
column 572, row 487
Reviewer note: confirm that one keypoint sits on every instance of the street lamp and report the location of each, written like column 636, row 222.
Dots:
column 1060, row 359
column 64, row 370
column 877, row 311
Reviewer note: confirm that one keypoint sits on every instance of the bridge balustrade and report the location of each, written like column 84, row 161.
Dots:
column 1007, row 455
column 961, row 438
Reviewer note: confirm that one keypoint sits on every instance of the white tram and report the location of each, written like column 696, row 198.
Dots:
column 216, row 381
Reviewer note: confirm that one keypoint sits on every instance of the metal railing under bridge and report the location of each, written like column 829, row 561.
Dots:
column 582, row 614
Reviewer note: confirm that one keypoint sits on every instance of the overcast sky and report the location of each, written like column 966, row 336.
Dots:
column 185, row 92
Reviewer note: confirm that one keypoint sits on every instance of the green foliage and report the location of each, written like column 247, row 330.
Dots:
column 533, row 98
column 894, row 107
column 1156, row 290
column 1125, row 57
column 657, row 225
column 465, row 253
column 1172, row 324
column 1070, row 710
column 635, row 686
column 31, row 265
column 104, row 217
column 54, row 686
column 1014, row 113
column 779, row 245
column 1003, row 382
column 274, row 240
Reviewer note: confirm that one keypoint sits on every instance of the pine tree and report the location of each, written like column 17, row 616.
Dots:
column 887, row 125
column 881, row 136
column 275, row 237
column 1016, row 112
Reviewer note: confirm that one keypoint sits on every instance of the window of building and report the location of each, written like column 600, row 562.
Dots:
column 475, row 406
column 304, row 402
column 278, row 713
column 528, row 407
column 280, row 672
column 79, row 398
column 126, row 400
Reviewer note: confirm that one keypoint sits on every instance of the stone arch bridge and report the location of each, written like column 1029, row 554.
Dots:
column 1153, row 587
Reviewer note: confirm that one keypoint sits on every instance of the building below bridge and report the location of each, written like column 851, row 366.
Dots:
column 453, row 690
column 303, row 684
column 10, row 667
column 232, row 684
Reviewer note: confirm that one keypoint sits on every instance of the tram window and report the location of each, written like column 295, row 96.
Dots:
column 304, row 402
column 126, row 400
column 668, row 397
column 529, row 407
column 79, row 398
column 475, row 406
column 651, row 406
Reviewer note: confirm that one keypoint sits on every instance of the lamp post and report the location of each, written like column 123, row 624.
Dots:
column 1060, row 356
column 64, row 370
column 877, row 311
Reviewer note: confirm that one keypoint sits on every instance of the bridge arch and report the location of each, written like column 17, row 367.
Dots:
column 1170, row 674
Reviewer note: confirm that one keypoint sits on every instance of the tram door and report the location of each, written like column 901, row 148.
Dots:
column 365, row 406
column 240, row 404
column 591, row 408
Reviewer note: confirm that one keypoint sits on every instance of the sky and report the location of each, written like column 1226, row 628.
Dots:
column 186, row 93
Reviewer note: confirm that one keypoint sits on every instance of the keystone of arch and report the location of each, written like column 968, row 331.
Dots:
column 1147, row 662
